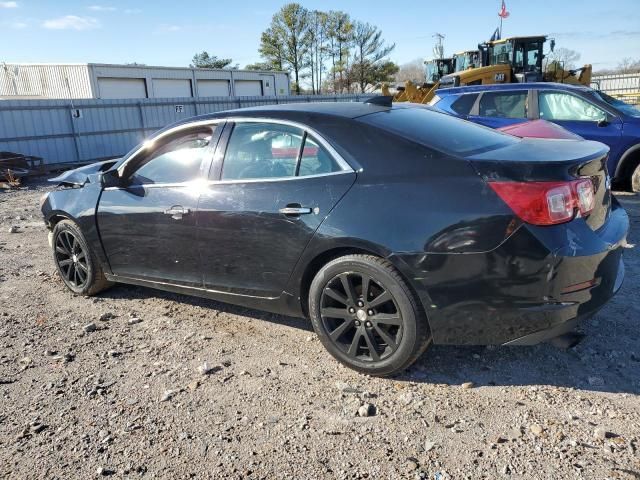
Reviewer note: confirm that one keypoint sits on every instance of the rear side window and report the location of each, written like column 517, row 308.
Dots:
column 262, row 150
column 503, row 104
column 315, row 159
column 439, row 131
column 464, row 104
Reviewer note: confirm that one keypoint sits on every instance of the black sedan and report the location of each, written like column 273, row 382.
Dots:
column 389, row 227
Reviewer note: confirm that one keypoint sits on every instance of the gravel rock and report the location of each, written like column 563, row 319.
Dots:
column 168, row 395
column 206, row 369
column 366, row 410
column 13, row 229
column 536, row 429
column 105, row 317
column 467, row 385
column 134, row 321
column 90, row 327
column 601, row 433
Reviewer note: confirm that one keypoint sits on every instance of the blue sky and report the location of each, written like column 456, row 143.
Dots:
column 169, row 32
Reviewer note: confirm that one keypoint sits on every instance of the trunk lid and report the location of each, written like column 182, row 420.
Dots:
column 544, row 160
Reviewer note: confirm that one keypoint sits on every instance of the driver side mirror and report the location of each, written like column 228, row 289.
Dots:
column 606, row 121
column 112, row 178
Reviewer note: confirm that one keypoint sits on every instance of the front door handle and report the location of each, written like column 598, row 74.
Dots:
column 177, row 212
column 295, row 211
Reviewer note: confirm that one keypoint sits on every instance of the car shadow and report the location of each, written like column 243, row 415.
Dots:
column 129, row 292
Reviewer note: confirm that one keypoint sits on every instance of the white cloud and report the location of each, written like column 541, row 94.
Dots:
column 132, row 11
column 102, row 8
column 71, row 22
column 8, row 4
column 19, row 25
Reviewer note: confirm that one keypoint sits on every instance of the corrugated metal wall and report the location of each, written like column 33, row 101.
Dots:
column 60, row 131
column 45, row 81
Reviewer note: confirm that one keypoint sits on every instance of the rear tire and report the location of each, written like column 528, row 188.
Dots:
column 635, row 180
column 366, row 316
column 77, row 265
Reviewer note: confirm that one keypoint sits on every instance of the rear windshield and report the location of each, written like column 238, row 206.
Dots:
column 439, row 131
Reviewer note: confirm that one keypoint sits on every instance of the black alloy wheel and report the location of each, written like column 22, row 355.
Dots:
column 78, row 267
column 71, row 259
column 361, row 317
column 366, row 316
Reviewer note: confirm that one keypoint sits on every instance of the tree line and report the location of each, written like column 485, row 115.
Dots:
column 329, row 51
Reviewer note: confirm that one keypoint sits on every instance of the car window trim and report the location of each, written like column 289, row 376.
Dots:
column 345, row 167
column 584, row 99
column 205, row 183
column 300, row 154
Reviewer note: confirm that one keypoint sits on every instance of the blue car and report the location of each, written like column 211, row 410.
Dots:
column 589, row 113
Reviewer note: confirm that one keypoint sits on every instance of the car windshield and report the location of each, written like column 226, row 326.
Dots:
column 440, row 131
column 618, row 104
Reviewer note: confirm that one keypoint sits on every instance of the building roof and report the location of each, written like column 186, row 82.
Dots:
column 120, row 65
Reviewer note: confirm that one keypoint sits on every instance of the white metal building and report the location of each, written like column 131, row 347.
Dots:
column 95, row 80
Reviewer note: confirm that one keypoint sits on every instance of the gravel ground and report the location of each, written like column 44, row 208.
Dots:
column 140, row 383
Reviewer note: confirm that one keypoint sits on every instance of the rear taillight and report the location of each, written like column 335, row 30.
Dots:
column 547, row 203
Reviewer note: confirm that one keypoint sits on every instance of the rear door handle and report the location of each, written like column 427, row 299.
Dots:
column 295, row 211
column 177, row 212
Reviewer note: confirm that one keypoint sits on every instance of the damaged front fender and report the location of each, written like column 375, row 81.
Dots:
column 80, row 176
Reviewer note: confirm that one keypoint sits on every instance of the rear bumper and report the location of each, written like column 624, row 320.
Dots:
column 588, row 310
column 523, row 292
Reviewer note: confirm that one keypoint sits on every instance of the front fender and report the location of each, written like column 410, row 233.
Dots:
column 78, row 205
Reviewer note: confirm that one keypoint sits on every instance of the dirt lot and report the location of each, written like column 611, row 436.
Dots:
column 113, row 386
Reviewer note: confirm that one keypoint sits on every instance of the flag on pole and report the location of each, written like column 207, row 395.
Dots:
column 503, row 11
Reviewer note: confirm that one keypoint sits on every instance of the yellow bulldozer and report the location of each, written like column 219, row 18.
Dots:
column 510, row 60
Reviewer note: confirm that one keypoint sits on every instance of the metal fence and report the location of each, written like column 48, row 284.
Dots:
column 64, row 131
column 624, row 86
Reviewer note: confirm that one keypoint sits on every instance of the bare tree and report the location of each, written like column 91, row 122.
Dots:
column 628, row 65
column 566, row 57
column 413, row 70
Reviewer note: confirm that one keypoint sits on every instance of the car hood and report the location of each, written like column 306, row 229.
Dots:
column 80, row 176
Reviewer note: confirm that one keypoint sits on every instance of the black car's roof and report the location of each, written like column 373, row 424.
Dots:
column 336, row 109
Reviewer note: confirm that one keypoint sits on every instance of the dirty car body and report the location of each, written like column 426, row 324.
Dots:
column 407, row 184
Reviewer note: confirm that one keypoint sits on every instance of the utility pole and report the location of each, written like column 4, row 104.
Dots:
column 438, row 50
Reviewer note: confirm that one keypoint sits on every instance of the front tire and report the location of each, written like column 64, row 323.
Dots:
column 366, row 315
column 77, row 265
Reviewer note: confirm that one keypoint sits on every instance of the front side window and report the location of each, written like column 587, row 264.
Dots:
column 503, row 104
column 564, row 106
column 176, row 160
